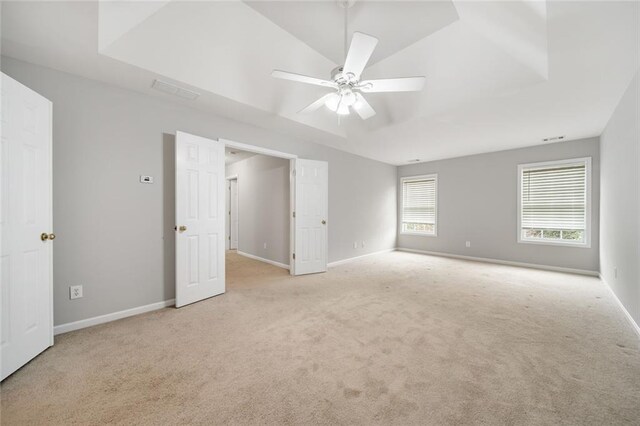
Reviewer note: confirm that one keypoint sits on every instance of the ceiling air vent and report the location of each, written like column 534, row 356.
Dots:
column 553, row 139
column 172, row 89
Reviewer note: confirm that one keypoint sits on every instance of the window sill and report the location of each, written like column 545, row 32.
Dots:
column 554, row 243
column 422, row 234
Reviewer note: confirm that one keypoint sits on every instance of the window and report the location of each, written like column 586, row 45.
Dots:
column 554, row 202
column 419, row 201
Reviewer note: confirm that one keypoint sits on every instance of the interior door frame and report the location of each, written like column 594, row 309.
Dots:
column 273, row 153
column 228, row 179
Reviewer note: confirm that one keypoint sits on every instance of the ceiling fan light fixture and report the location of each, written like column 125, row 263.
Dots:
column 343, row 110
column 348, row 97
column 332, row 102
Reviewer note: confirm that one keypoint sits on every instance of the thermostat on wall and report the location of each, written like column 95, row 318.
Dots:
column 146, row 179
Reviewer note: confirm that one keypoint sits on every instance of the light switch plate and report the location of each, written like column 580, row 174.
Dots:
column 146, row 179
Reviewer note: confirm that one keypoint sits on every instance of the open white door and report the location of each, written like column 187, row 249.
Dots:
column 310, row 216
column 26, row 294
column 233, row 204
column 200, row 218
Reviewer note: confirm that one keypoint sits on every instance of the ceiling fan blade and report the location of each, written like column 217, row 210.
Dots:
column 302, row 78
column 317, row 104
column 362, row 46
column 402, row 84
column 363, row 108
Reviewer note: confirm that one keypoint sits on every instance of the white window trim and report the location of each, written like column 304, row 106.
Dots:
column 433, row 176
column 587, row 239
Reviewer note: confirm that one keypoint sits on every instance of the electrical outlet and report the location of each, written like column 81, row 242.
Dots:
column 75, row 292
column 355, row 244
column 468, row 244
column 363, row 244
column 265, row 246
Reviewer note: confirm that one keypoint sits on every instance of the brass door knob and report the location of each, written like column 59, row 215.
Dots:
column 182, row 228
column 324, row 222
column 44, row 236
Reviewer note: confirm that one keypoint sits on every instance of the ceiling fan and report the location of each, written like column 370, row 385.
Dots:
column 348, row 88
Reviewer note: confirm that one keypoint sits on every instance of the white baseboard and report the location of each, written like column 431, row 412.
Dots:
column 261, row 259
column 624, row 310
column 351, row 259
column 77, row 325
column 504, row 262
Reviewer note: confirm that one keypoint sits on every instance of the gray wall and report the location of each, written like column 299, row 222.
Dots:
column 115, row 235
column 477, row 202
column 263, row 206
column 620, row 205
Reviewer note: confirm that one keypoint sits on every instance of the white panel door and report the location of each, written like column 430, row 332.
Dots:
column 200, row 217
column 234, row 213
column 26, row 294
column 311, row 211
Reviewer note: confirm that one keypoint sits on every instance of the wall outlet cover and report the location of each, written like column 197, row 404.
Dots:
column 468, row 244
column 146, row 179
column 75, row 292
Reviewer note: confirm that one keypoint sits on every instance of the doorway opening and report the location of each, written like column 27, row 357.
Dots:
column 258, row 211
column 232, row 210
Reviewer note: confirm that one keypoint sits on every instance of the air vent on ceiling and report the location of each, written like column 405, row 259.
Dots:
column 553, row 139
column 172, row 89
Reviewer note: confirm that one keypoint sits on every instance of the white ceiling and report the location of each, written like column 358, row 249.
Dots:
column 500, row 75
column 320, row 24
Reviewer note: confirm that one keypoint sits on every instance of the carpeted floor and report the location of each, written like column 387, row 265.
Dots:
column 396, row 338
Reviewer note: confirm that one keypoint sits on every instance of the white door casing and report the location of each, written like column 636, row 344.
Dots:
column 233, row 208
column 26, row 293
column 311, row 216
column 200, row 218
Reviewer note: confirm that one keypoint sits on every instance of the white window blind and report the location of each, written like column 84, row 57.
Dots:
column 419, row 204
column 553, row 202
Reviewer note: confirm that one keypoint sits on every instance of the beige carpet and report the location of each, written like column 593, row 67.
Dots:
column 396, row 338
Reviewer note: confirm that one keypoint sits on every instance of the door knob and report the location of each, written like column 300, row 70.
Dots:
column 324, row 222
column 44, row 236
column 182, row 228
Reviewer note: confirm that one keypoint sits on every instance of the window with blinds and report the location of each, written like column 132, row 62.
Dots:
column 554, row 202
column 419, row 204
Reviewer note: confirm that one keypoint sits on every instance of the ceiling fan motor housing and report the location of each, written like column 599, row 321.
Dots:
column 342, row 79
